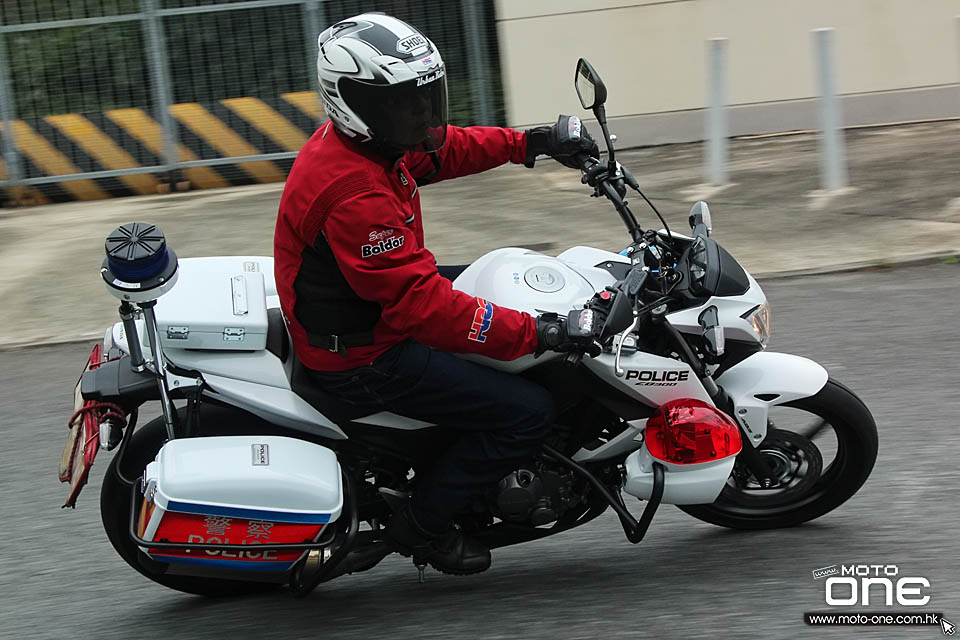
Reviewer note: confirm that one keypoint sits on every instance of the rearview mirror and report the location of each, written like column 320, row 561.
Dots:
column 589, row 86
column 700, row 215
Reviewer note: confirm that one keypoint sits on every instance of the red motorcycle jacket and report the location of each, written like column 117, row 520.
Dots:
column 353, row 275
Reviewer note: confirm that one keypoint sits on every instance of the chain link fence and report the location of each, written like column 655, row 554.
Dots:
column 117, row 97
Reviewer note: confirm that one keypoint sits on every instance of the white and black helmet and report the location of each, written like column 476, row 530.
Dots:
column 383, row 81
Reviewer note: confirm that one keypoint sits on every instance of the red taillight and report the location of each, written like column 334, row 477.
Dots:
column 688, row 431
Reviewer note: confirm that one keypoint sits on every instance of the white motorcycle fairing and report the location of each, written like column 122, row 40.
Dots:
column 730, row 312
column 682, row 483
column 760, row 381
column 767, row 379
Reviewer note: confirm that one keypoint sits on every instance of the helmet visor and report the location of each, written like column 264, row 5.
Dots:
column 409, row 116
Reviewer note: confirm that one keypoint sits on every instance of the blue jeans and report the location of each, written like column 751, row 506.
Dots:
column 502, row 420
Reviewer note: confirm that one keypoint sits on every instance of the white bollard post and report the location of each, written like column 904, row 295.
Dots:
column 716, row 111
column 956, row 20
column 833, row 161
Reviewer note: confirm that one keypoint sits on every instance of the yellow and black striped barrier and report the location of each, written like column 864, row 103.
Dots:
column 124, row 139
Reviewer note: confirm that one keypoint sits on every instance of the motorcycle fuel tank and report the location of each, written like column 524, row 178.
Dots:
column 533, row 282
column 529, row 281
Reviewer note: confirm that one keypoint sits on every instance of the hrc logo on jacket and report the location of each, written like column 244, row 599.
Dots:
column 482, row 321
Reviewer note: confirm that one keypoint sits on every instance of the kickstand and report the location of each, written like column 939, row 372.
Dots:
column 397, row 500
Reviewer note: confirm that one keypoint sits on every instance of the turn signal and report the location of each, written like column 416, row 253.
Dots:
column 689, row 431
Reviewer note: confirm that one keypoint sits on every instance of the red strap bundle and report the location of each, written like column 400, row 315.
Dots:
column 83, row 441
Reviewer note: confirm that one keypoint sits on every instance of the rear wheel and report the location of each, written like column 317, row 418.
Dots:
column 115, row 502
column 821, row 450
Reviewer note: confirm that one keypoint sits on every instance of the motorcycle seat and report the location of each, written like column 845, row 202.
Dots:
column 301, row 383
column 278, row 340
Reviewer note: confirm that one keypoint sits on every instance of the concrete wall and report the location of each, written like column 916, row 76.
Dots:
column 896, row 60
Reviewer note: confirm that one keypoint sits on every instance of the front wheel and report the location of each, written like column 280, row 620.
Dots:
column 821, row 450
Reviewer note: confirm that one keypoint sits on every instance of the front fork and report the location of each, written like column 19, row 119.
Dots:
column 749, row 454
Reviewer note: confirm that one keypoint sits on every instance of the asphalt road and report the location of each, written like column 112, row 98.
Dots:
column 890, row 335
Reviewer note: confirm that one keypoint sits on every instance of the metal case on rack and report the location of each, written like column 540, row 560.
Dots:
column 214, row 307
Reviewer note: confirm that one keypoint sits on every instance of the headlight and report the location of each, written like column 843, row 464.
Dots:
column 760, row 319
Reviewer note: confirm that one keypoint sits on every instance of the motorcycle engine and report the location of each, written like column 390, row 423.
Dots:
column 528, row 497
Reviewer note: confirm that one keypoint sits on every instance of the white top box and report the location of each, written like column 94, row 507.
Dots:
column 214, row 305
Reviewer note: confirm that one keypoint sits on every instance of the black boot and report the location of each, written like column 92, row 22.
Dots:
column 451, row 552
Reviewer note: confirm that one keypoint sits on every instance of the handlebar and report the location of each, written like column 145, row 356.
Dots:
column 609, row 181
column 593, row 168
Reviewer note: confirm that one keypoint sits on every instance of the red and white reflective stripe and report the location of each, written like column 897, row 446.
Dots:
column 194, row 528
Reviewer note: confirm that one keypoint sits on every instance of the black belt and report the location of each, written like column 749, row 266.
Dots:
column 339, row 343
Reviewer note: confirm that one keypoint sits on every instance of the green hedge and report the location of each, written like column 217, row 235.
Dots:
column 252, row 52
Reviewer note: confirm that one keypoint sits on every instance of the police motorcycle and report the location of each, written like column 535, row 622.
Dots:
column 253, row 478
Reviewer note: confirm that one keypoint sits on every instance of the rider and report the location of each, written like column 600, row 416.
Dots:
column 369, row 313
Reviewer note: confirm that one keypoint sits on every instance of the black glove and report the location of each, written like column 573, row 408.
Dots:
column 578, row 331
column 561, row 141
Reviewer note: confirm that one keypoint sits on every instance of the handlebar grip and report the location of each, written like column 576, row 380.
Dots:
column 629, row 178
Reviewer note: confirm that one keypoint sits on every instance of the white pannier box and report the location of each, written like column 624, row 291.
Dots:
column 214, row 305
column 246, row 490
